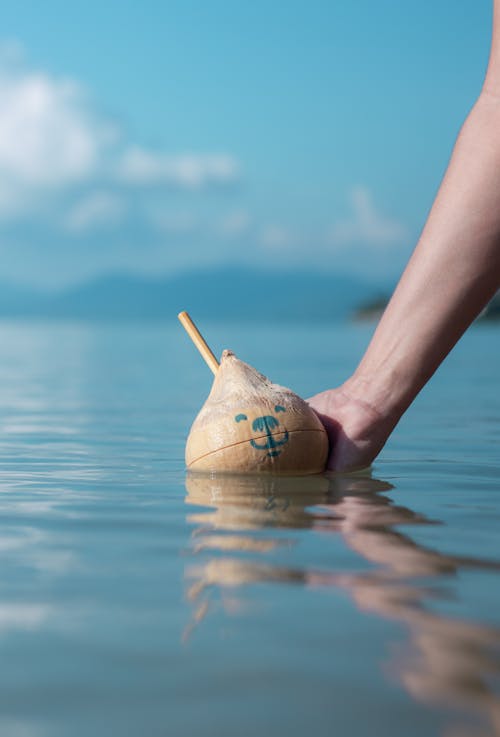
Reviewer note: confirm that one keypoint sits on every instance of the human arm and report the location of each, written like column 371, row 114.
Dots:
column 453, row 273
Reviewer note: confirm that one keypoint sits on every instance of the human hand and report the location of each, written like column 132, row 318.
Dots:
column 357, row 430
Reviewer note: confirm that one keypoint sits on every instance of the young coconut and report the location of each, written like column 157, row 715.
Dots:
column 249, row 424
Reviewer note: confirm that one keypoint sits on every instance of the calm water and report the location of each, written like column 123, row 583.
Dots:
column 139, row 603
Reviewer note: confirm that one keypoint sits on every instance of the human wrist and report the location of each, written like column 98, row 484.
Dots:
column 384, row 395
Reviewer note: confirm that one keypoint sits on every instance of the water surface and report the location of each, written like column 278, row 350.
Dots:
column 136, row 601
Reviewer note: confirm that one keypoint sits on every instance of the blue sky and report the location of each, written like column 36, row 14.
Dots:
column 158, row 136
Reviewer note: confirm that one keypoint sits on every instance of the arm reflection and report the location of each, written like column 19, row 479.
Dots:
column 447, row 661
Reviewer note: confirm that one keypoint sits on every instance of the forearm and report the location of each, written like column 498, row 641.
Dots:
column 452, row 274
column 454, row 271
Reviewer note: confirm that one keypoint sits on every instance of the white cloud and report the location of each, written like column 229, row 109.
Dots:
column 44, row 137
column 25, row 728
column 183, row 222
column 48, row 138
column 140, row 166
column 278, row 238
column 180, row 222
column 234, row 224
column 23, row 616
column 366, row 225
column 96, row 209
column 54, row 144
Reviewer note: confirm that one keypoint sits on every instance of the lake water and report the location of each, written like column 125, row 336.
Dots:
column 139, row 603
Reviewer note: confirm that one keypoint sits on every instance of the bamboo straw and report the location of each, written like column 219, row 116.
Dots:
column 199, row 341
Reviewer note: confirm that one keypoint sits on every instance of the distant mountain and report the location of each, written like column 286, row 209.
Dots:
column 492, row 311
column 373, row 308
column 230, row 293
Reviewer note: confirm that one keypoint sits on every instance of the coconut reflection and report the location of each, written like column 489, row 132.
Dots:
column 448, row 661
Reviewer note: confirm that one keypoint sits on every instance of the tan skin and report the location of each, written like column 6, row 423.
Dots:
column 452, row 274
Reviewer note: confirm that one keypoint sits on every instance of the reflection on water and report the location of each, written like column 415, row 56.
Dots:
column 445, row 661
column 96, row 539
